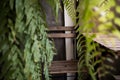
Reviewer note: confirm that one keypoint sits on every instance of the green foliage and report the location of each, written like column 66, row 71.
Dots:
column 70, row 7
column 24, row 45
column 101, row 15
column 55, row 4
column 88, row 18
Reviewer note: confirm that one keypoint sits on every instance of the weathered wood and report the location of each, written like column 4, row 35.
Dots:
column 61, row 35
column 58, row 67
column 110, row 41
column 61, row 28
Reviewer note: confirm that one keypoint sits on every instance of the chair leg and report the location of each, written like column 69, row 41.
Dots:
column 42, row 66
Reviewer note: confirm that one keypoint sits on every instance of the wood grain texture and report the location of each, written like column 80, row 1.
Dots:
column 61, row 35
column 58, row 67
column 61, row 28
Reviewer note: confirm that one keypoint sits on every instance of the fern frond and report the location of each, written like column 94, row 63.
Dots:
column 25, row 49
column 55, row 5
column 70, row 7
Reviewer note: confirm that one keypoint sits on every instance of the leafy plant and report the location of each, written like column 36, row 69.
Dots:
column 24, row 46
column 91, row 15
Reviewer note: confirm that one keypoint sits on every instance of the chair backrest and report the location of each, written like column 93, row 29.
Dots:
column 61, row 32
column 58, row 67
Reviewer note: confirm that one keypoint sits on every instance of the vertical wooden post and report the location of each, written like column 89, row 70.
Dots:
column 69, row 42
column 42, row 75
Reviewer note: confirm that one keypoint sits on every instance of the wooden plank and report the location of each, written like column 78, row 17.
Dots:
column 61, row 35
column 61, row 28
column 58, row 67
column 110, row 41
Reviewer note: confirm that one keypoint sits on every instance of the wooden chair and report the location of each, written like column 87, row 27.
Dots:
column 58, row 67
column 65, row 66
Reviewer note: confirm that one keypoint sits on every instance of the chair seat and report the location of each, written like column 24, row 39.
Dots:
column 58, row 67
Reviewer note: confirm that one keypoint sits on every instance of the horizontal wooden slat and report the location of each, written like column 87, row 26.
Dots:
column 110, row 41
column 71, row 28
column 58, row 67
column 61, row 35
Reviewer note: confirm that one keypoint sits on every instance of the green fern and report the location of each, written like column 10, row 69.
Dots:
column 25, row 48
column 70, row 7
column 88, row 19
